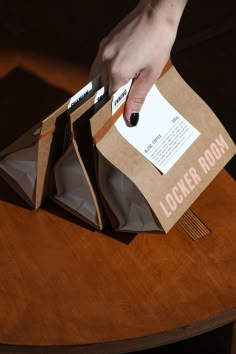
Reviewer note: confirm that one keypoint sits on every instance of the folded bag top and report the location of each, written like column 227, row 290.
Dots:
column 150, row 190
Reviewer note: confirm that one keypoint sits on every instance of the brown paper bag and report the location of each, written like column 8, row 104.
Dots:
column 74, row 180
column 136, row 195
column 26, row 163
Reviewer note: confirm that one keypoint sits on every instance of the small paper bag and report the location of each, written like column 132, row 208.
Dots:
column 74, row 180
column 149, row 175
column 26, row 162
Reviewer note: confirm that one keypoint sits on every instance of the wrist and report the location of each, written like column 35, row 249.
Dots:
column 169, row 11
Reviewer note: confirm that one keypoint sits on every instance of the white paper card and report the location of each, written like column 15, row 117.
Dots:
column 162, row 134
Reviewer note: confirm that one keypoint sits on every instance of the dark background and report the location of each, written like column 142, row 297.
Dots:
column 204, row 54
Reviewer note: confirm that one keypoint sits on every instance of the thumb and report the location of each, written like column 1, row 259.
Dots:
column 137, row 94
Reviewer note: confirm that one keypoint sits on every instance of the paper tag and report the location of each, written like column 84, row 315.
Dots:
column 91, row 86
column 120, row 96
column 100, row 94
column 80, row 95
column 162, row 134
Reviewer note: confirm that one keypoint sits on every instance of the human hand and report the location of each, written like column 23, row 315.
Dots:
column 138, row 48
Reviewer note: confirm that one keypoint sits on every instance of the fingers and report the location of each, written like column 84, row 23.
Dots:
column 113, row 76
column 116, row 71
column 110, row 77
column 137, row 94
column 117, row 78
column 97, row 69
column 99, row 66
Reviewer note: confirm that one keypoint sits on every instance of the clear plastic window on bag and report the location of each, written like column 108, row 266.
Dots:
column 72, row 189
column 130, row 210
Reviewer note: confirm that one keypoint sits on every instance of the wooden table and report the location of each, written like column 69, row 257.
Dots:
column 65, row 288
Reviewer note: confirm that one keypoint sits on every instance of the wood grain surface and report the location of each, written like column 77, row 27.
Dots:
column 65, row 288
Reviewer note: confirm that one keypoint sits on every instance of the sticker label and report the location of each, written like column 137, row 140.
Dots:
column 100, row 94
column 120, row 96
column 162, row 134
column 92, row 86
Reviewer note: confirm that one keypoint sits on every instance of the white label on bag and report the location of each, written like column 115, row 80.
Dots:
column 162, row 135
column 120, row 96
column 91, row 86
column 100, row 94
column 80, row 95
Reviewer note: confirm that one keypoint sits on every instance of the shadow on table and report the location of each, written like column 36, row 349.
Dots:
column 55, row 209
column 8, row 195
column 26, row 99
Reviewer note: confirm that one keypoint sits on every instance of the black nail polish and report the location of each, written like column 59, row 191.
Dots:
column 134, row 119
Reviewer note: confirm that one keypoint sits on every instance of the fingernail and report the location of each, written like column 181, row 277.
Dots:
column 134, row 119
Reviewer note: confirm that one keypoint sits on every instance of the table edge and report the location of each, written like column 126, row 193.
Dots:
column 130, row 344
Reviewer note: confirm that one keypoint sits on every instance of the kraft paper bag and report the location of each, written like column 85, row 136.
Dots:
column 26, row 162
column 74, row 181
column 149, row 175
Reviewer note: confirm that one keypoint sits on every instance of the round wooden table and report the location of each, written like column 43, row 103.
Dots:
column 65, row 288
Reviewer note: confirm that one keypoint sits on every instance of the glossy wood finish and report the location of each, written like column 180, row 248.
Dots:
column 65, row 288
